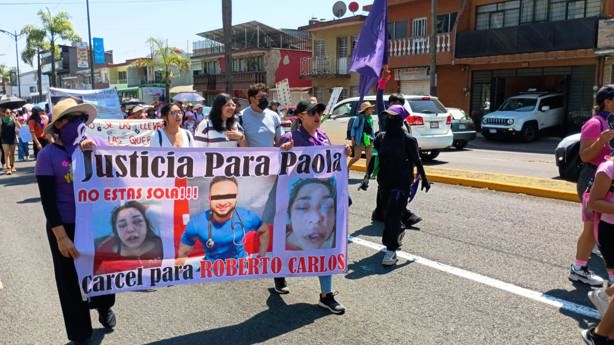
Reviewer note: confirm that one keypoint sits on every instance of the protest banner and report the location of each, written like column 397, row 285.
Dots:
column 105, row 101
column 334, row 97
column 161, row 216
column 283, row 93
column 124, row 132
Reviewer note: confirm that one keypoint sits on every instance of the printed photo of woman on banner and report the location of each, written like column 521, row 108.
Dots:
column 133, row 242
column 312, row 210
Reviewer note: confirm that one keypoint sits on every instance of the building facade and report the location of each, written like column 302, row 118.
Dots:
column 329, row 64
column 260, row 54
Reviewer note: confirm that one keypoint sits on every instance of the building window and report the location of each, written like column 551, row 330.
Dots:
column 397, row 30
column 342, row 47
column 122, row 77
column 211, row 67
column 32, row 89
column 445, row 22
column 354, row 41
column 418, row 27
column 515, row 12
column 319, row 49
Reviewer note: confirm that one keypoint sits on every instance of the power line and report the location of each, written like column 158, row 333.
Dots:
column 94, row 3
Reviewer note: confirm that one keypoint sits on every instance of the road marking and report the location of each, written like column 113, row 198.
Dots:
column 482, row 279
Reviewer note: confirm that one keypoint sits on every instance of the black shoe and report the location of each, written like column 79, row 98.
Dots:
column 591, row 338
column 107, row 318
column 281, row 287
column 411, row 221
column 364, row 185
column 329, row 302
column 376, row 217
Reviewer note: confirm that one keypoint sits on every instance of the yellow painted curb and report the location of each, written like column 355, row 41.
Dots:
column 498, row 186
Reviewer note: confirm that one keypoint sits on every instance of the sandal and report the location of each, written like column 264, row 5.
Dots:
column 13, row 169
column 8, row 171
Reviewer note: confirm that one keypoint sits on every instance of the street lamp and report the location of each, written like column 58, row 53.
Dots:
column 16, row 37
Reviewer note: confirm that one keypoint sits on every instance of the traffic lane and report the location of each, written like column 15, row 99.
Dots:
column 544, row 144
column 527, row 241
column 502, row 162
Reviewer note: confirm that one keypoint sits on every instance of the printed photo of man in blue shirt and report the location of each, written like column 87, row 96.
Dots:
column 222, row 228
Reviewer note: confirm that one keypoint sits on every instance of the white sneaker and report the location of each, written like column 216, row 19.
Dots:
column 390, row 258
column 585, row 276
column 600, row 299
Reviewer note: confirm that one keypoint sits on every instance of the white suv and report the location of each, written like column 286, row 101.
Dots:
column 428, row 119
column 525, row 115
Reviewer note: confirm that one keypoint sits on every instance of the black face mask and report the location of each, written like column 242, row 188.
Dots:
column 263, row 103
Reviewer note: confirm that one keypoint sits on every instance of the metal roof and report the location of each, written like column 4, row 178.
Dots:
column 254, row 34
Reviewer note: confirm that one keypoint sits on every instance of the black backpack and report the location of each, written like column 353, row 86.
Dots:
column 569, row 162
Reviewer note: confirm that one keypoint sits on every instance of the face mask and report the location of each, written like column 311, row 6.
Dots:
column 263, row 103
column 72, row 134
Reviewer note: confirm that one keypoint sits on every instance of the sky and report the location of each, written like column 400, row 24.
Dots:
column 125, row 25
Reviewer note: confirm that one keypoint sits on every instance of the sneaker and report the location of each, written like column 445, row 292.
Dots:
column 107, row 318
column 329, row 302
column 600, row 299
column 591, row 338
column 411, row 221
column 281, row 287
column 585, row 276
column 364, row 185
column 390, row 258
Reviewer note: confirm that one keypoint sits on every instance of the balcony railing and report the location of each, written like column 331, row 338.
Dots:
column 324, row 67
column 240, row 80
column 419, row 45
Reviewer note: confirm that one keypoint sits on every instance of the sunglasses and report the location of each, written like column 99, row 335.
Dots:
column 223, row 196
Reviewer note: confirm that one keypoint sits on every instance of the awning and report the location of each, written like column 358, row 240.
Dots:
column 181, row 88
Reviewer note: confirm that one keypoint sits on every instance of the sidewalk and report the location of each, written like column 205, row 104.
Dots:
column 546, row 188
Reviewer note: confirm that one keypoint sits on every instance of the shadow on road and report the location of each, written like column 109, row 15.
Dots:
column 543, row 144
column 279, row 319
column 29, row 201
column 97, row 336
column 20, row 178
column 374, row 229
column 372, row 265
column 581, row 291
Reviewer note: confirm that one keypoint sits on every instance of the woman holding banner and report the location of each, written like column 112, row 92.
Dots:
column 221, row 129
column 54, row 177
column 172, row 135
column 308, row 134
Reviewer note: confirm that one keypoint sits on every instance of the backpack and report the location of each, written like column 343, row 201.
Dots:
column 348, row 130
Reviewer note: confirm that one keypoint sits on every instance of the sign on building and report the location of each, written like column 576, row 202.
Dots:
column 98, row 44
column 82, row 55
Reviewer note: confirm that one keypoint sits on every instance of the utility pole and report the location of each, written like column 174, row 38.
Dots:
column 227, row 24
column 16, row 37
column 91, row 52
column 433, row 48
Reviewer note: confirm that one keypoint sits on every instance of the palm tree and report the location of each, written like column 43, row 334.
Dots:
column 57, row 27
column 227, row 27
column 5, row 76
column 35, row 45
column 165, row 58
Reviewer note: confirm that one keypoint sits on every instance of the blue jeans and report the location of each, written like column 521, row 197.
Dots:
column 326, row 284
column 22, row 149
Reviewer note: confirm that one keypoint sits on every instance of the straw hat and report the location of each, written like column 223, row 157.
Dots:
column 365, row 105
column 67, row 106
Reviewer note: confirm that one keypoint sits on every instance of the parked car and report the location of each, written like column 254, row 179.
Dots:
column 429, row 122
column 463, row 130
column 525, row 115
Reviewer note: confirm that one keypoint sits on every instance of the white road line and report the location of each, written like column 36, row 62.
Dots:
column 498, row 284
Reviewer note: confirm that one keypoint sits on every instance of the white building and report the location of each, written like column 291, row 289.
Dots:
column 29, row 87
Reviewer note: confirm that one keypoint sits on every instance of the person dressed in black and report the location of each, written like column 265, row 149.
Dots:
column 398, row 152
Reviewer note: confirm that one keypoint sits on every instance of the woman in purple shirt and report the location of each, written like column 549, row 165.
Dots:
column 55, row 183
column 309, row 134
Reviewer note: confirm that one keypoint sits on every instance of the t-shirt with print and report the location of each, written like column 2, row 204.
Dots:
column 607, row 167
column 591, row 130
column 261, row 128
column 53, row 160
column 207, row 136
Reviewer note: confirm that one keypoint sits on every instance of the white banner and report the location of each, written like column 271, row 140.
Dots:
column 283, row 93
column 124, row 132
column 334, row 97
column 106, row 101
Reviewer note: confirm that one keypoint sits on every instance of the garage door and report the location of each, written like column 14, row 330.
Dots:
column 415, row 87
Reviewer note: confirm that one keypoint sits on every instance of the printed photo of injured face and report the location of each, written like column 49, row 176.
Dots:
column 312, row 214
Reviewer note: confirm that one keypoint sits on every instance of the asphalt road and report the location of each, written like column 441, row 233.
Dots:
column 525, row 241
column 534, row 159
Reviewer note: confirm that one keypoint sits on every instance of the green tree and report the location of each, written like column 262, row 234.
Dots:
column 36, row 43
column 5, row 76
column 165, row 58
column 57, row 27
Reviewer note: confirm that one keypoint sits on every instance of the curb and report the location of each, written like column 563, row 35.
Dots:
column 498, row 186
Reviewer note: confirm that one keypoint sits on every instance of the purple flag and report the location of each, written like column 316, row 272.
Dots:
column 371, row 50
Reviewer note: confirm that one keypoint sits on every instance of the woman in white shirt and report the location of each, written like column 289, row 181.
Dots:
column 221, row 129
column 172, row 135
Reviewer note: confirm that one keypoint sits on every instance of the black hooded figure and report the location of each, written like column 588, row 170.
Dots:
column 398, row 154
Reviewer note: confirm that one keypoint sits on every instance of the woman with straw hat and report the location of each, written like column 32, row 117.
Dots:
column 54, row 177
